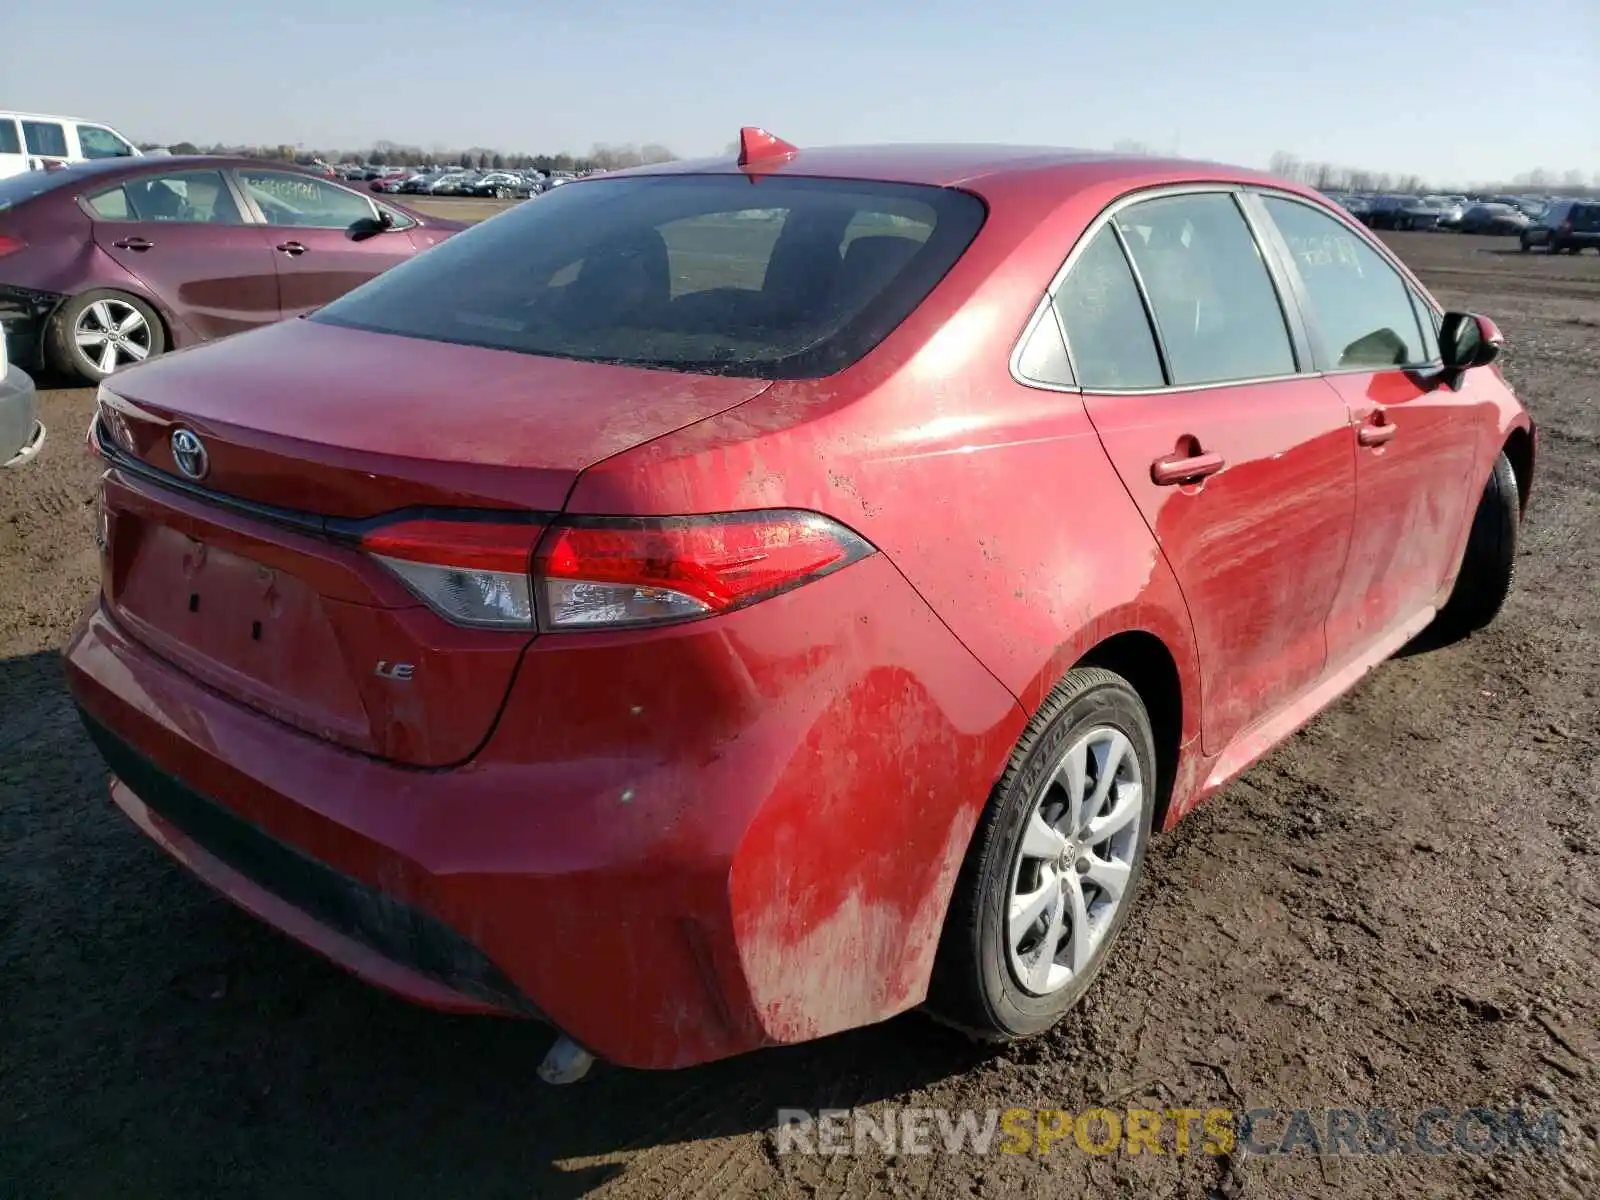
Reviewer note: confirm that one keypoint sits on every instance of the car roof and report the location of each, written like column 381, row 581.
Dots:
column 166, row 163
column 33, row 116
column 968, row 165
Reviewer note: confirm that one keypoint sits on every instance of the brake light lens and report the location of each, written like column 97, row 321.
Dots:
column 470, row 572
column 10, row 244
column 609, row 572
column 612, row 573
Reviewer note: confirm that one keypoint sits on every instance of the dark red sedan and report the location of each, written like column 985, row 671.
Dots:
column 111, row 262
column 725, row 603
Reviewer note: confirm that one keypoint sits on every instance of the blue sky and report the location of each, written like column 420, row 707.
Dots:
column 1456, row 90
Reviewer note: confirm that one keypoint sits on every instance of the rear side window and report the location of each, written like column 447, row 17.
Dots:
column 778, row 278
column 1214, row 300
column 1585, row 217
column 10, row 142
column 45, row 138
column 184, row 197
column 1361, row 305
column 1108, row 333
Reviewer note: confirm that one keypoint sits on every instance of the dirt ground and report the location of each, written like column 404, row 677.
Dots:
column 1396, row 909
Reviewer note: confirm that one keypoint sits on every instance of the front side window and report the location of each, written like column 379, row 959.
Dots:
column 1429, row 321
column 781, row 278
column 97, row 142
column 10, row 142
column 184, row 197
column 1359, row 303
column 1215, row 304
column 45, row 138
column 1108, row 333
column 290, row 198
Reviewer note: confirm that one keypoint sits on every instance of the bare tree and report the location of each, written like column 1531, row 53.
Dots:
column 1284, row 165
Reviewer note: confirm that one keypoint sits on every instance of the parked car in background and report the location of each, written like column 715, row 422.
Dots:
column 1404, row 212
column 1359, row 207
column 1498, row 219
column 420, row 183
column 393, row 181
column 29, row 141
column 501, row 185
column 644, row 678
column 454, row 183
column 1450, row 209
column 1566, row 226
column 21, row 432
column 107, row 263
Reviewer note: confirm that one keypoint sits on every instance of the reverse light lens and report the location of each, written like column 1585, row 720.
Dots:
column 496, row 599
column 470, row 572
column 638, row 572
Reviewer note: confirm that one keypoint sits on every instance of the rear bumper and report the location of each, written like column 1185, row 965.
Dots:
column 673, row 848
column 21, row 434
column 383, row 939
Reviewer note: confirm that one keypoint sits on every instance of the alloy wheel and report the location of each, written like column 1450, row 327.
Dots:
column 1074, row 866
column 111, row 333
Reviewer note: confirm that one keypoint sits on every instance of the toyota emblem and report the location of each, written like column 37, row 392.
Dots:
column 189, row 452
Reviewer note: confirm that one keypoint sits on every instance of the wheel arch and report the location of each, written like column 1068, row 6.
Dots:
column 1519, row 448
column 1144, row 660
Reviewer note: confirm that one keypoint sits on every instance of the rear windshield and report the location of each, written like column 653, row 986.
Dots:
column 773, row 277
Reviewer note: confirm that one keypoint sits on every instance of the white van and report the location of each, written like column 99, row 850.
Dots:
column 29, row 140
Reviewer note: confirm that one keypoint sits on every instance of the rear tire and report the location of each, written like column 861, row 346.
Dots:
column 1490, row 562
column 129, row 330
column 989, row 979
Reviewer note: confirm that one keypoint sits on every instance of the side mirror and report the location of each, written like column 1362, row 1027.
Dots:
column 1467, row 340
column 368, row 227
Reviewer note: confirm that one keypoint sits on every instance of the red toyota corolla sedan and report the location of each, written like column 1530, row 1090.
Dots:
column 721, row 604
column 111, row 262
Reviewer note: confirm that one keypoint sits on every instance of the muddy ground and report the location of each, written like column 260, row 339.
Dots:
column 1396, row 909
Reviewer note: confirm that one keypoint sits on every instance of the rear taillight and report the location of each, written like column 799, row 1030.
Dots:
column 605, row 573
column 10, row 244
column 608, row 573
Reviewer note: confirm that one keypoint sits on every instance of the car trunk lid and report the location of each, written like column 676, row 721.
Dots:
column 249, row 573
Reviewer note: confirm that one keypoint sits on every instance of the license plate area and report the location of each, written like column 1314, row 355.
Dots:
column 257, row 633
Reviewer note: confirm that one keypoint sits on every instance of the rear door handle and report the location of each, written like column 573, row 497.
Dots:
column 292, row 248
column 1376, row 435
column 133, row 243
column 1177, row 469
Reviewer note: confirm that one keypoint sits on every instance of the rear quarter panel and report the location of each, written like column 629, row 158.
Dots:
column 998, row 504
column 996, row 500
